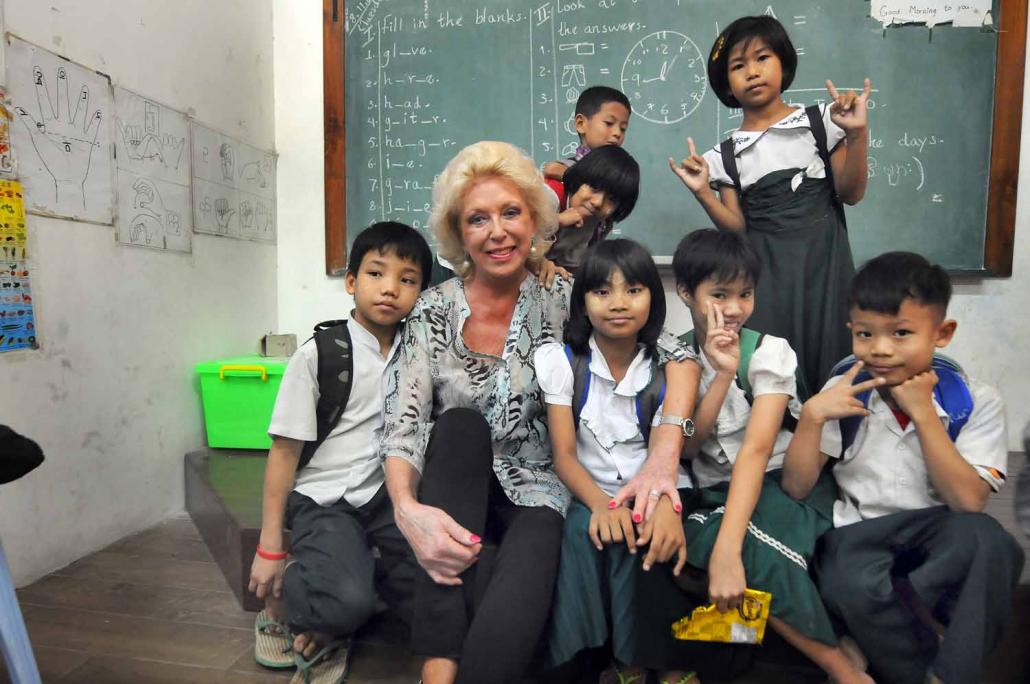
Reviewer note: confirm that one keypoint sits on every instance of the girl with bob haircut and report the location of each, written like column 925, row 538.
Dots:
column 604, row 389
column 596, row 192
column 489, row 159
column 783, row 177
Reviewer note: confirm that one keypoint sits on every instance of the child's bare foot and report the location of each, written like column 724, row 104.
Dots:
column 310, row 643
column 678, row 677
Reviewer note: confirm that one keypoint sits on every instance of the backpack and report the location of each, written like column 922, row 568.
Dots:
column 335, row 375
column 751, row 340
column 951, row 392
column 647, row 401
column 815, row 123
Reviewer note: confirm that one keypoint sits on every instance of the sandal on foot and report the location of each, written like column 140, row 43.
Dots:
column 689, row 678
column 615, row 675
column 330, row 665
column 273, row 645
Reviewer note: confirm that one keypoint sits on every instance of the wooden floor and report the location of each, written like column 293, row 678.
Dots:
column 154, row 608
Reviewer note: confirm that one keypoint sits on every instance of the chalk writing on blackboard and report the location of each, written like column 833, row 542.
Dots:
column 931, row 12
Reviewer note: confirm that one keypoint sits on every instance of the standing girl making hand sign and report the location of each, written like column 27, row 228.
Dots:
column 783, row 176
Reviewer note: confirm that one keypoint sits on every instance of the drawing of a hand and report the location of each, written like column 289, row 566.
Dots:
column 63, row 139
column 246, row 215
column 147, row 198
column 264, row 218
column 172, row 148
column 223, row 213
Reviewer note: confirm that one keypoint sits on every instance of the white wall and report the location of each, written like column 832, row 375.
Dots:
column 111, row 395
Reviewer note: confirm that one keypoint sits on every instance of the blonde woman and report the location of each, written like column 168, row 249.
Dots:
column 466, row 448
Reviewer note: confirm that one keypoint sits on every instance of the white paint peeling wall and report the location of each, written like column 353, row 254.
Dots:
column 111, row 395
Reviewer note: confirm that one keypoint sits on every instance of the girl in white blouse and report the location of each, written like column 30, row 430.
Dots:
column 599, row 423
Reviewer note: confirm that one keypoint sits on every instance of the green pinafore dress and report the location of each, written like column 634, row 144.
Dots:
column 801, row 237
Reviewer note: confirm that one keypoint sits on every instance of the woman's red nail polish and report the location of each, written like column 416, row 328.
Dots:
column 475, row 539
column 612, row 504
column 637, row 518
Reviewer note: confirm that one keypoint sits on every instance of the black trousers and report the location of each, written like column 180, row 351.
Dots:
column 492, row 624
column 332, row 581
column 961, row 568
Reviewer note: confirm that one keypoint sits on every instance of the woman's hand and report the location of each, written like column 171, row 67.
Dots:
column 656, row 478
column 266, row 577
column 547, row 270
column 443, row 548
column 664, row 533
column 612, row 525
column 726, row 581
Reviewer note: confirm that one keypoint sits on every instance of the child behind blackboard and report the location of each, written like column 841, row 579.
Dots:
column 782, row 177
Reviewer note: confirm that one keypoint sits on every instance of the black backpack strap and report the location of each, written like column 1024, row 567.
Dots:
column 729, row 161
column 815, row 124
column 335, row 378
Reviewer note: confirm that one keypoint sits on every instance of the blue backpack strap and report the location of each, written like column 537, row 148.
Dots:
column 650, row 398
column 953, row 394
column 580, row 381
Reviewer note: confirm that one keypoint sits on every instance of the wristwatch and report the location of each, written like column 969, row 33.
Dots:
column 686, row 423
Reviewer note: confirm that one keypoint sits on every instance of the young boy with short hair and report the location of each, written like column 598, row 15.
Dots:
column 918, row 448
column 335, row 504
column 602, row 118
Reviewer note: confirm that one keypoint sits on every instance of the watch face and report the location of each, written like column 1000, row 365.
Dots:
column 664, row 77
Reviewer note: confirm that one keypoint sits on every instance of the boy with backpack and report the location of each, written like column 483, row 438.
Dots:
column 921, row 578
column 324, row 479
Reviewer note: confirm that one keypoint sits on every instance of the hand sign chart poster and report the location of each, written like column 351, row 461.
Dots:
column 60, row 131
column 233, row 186
column 17, row 322
column 153, row 172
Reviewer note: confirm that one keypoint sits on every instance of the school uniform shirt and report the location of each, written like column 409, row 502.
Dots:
column 884, row 472
column 347, row 463
column 771, row 371
column 787, row 144
column 609, row 443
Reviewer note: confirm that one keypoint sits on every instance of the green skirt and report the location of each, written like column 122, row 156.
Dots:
column 593, row 595
column 778, row 547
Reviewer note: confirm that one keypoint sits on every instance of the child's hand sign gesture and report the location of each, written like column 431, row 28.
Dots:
column 841, row 401
column 693, row 170
column 722, row 346
column 848, row 110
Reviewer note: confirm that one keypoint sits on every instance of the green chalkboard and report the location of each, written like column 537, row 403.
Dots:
column 424, row 78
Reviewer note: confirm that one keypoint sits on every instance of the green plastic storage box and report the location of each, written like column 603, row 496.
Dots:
column 238, row 396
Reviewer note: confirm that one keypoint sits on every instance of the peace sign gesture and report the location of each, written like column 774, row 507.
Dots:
column 693, row 170
column 722, row 346
column 841, row 400
column 848, row 110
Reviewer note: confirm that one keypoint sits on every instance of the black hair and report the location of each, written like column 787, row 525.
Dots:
column 613, row 171
column 391, row 236
column 884, row 282
column 637, row 266
column 593, row 98
column 724, row 255
column 745, row 30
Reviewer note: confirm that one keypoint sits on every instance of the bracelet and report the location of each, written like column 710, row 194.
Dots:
column 268, row 555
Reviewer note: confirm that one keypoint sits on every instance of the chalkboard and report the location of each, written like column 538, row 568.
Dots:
column 426, row 77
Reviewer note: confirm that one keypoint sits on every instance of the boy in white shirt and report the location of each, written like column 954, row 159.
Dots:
column 918, row 448
column 335, row 504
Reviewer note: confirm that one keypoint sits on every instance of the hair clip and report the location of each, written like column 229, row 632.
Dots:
column 718, row 47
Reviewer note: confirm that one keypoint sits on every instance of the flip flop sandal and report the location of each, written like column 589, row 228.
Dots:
column 331, row 665
column 689, row 678
column 615, row 675
column 273, row 645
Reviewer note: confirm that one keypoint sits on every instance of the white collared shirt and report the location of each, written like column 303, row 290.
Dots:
column 771, row 371
column 884, row 471
column 609, row 443
column 347, row 463
column 787, row 144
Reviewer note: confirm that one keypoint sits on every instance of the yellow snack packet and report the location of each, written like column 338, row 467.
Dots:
column 746, row 625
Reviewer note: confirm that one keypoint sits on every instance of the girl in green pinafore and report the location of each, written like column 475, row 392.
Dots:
column 782, row 177
column 742, row 529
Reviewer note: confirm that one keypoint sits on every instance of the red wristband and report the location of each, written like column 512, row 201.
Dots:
column 270, row 556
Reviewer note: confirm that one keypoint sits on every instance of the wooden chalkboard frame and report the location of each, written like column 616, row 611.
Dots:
column 1005, row 138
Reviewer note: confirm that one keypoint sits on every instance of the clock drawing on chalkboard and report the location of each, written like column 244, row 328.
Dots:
column 664, row 77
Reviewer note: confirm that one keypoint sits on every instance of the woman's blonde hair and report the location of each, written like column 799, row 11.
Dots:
column 479, row 161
